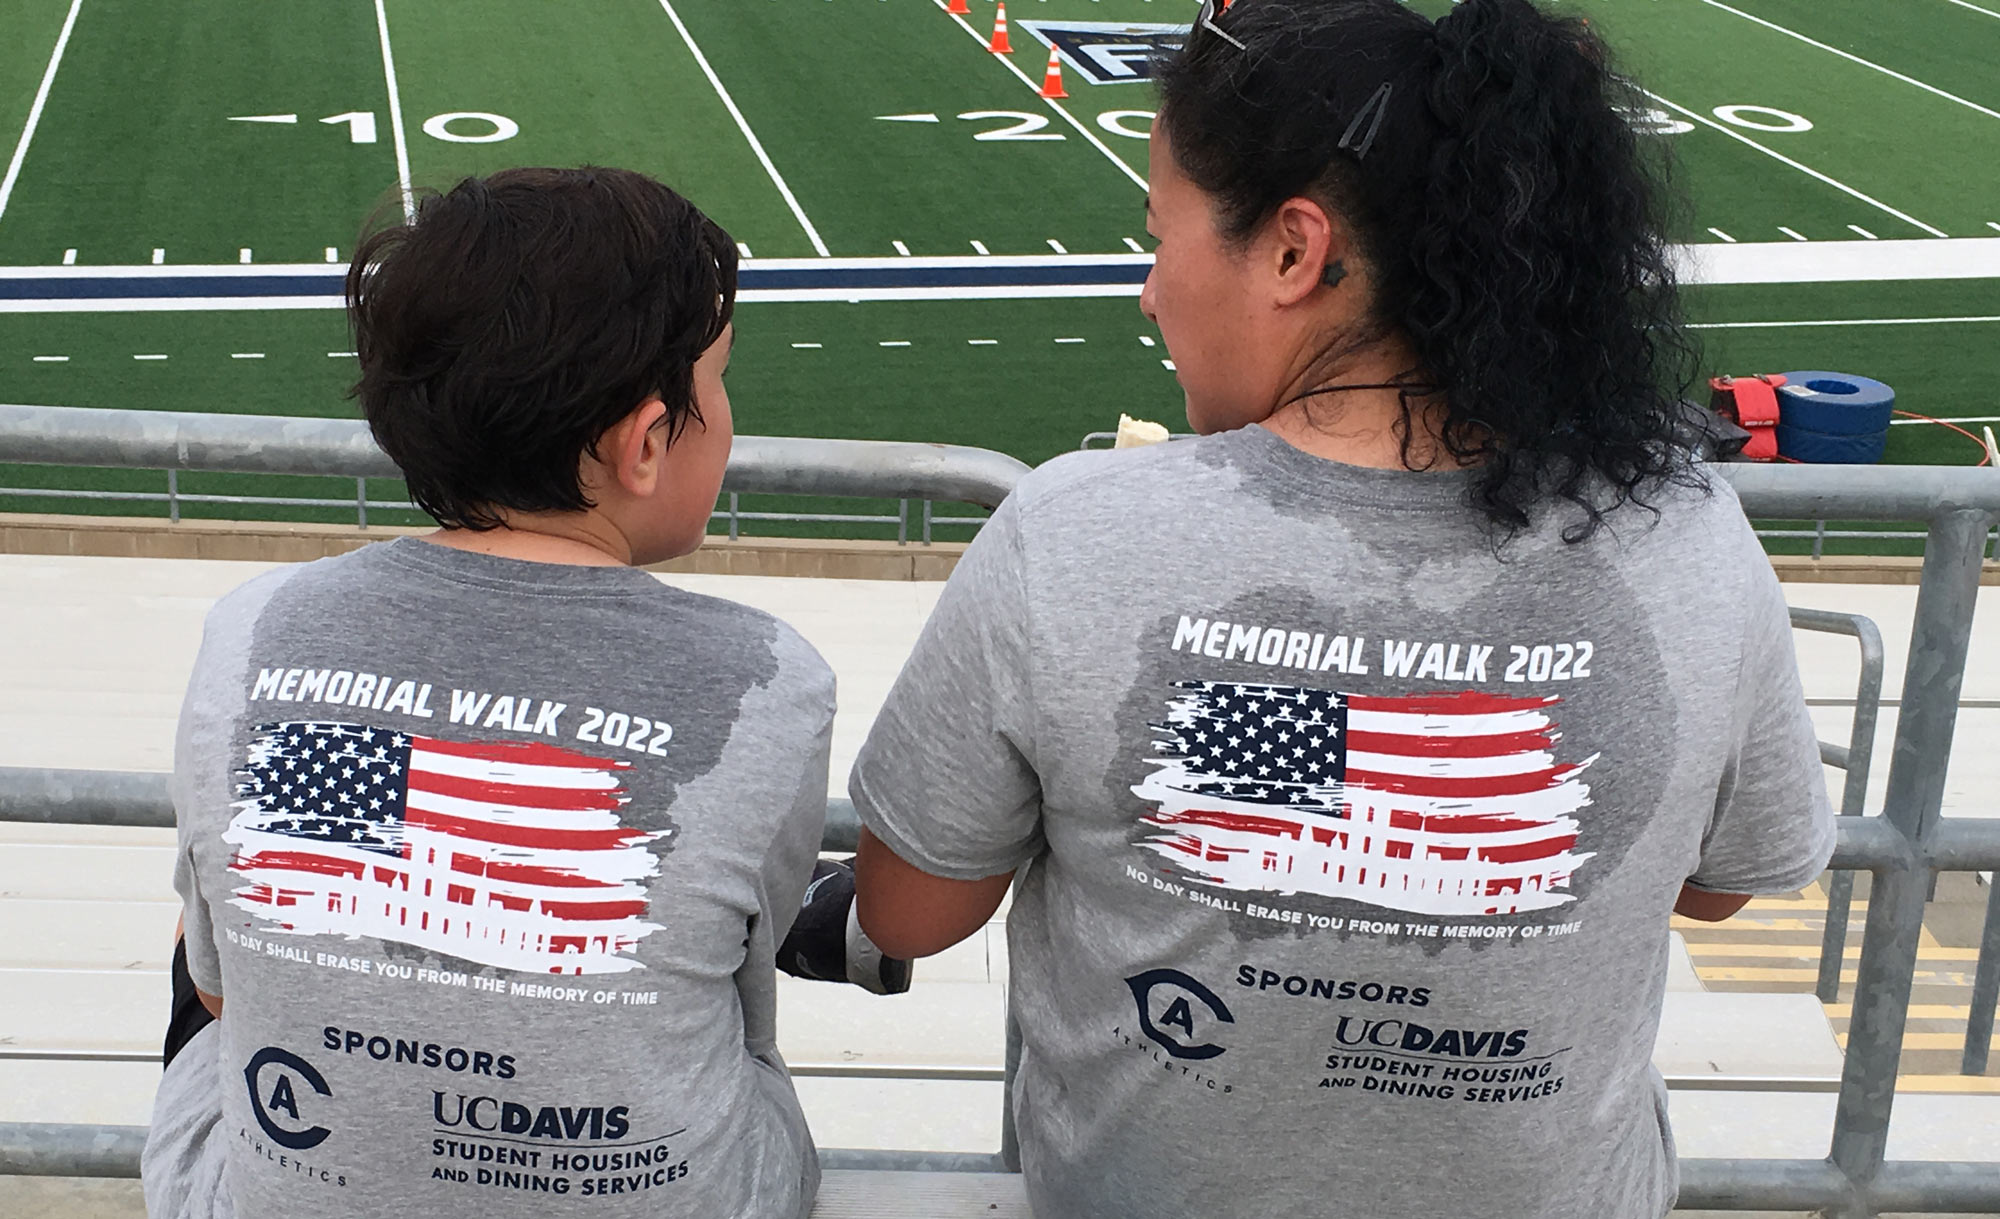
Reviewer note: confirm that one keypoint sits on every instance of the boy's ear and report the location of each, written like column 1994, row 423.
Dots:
column 634, row 449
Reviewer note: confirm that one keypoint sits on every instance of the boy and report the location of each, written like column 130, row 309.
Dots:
column 488, row 839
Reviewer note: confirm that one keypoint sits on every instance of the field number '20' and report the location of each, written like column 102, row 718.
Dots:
column 361, row 127
column 1028, row 126
column 1561, row 662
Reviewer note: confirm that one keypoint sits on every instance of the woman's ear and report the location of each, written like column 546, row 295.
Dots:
column 1309, row 250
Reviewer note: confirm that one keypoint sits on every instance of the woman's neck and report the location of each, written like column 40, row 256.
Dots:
column 1364, row 426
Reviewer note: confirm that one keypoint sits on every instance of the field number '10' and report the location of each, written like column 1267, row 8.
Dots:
column 361, row 127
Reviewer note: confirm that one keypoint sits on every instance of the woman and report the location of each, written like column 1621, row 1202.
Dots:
column 1353, row 756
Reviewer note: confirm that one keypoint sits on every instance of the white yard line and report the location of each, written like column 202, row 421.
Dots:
column 1138, row 180
column 1850, row 56
column 35, row 111
column 1865, row 321
column 1950, row 419
column 1844, row 188
column 743, row 125
column 396, row 115
column 1975, row 8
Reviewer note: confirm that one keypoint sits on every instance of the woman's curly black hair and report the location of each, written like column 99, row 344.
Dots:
column 1513, row 223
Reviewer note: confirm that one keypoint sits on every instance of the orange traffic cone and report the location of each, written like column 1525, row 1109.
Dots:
column 1052, row 79
column 1000, row 45
column 958, row 6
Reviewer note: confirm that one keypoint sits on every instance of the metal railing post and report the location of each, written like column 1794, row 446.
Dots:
column 1985, row 990
column 361, row 503
column 1819, row 539
column 1856, row 764
column 735, row 515
column 902, row 522
column 173, row 495
column 1939, row 640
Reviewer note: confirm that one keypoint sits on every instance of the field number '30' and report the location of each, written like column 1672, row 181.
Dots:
column 361, row 127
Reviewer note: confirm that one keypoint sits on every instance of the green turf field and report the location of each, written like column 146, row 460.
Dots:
column 211, row 134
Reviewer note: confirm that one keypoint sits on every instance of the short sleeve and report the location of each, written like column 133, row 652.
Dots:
column 194, row 738
column 947, row 778
column 1772, row 830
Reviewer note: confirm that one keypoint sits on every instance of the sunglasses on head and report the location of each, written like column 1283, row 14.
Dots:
column 1367, row 123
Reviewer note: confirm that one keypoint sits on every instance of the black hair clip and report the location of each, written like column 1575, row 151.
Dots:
column 1371, row 113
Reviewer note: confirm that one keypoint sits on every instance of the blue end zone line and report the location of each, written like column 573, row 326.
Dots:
column 74, row 289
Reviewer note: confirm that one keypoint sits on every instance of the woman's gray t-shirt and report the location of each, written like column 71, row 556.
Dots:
column 1348, row 840
column 488, row 860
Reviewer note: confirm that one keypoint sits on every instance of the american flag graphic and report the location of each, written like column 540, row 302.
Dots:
column 1448, row 804
column 505, row 853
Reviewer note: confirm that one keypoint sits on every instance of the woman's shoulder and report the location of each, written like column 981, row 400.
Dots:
column 1110, row 473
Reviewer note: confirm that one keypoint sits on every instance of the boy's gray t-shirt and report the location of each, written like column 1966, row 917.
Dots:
column 488, row 860
column 1348, row 845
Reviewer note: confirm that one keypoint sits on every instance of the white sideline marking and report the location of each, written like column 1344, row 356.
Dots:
column 1838, row 185
column 1955, row 419
column 1865, row 321
column 1134, row 246
column 69, row 258
column 1994, row 225
column 35, row 111
column 1794, row 234
column 1726, row 237
column 979, row 247
column 1057, row 246
column 332, row 254
column 1066, row 116
column 159, row 256
column 243, row 256
column 1975, row 8
column 246, row 355
column 807, row 346
column 743, row 249
column 51, row 359
column 743, row 125
column 1848, row 55
column 396, row 114
column 1864, row 232
column 901, row 248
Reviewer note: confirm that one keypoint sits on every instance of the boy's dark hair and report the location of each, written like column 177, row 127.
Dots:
column 521, row 315
column 1514, row 222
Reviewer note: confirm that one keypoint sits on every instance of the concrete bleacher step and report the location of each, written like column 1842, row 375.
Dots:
column 83, row 872
column 1681, row 974
column 1720, row 1036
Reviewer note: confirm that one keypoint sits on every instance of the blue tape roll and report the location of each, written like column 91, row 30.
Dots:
column 1835, row 403
column 1827, row 448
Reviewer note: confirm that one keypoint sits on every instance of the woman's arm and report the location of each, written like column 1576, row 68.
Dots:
column 910, row 913
column 1708, row 907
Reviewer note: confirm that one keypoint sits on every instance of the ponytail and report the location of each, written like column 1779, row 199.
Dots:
column 1513, row 222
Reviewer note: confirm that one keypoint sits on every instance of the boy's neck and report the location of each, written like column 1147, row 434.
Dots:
column 574, row 539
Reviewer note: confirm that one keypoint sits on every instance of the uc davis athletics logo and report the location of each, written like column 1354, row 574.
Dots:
column 1168, row 991
column 275, row 1078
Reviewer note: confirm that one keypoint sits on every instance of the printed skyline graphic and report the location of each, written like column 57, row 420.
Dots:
column 1447, row 804
column 505, row 853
